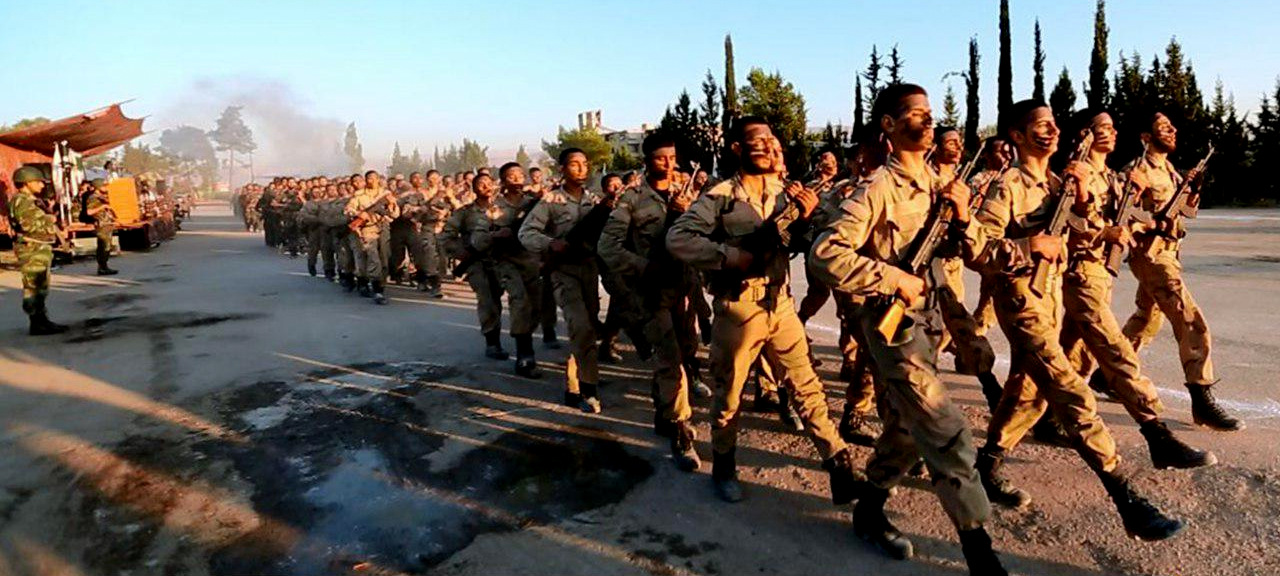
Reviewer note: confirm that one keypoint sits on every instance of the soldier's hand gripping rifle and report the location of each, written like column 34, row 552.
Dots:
column 774, row 234
column 584, row 235
column 1180, row 206
column 471, row 256
column 1062, row 214
column 378, row 206
column 658, row 256
column 917, row 259
column 1127, row 212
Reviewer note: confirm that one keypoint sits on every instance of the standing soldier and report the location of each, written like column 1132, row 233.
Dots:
column 482, row 238
column 370, row 209
column 36, row 233
column 545, row 309
column 574, row 276
column 858, row 256
column 1011, row 243
column 633, row 246
column 1090, row 330
column 98, row 207
column 267, row 215
column 734, row 231
column 431, row 219
column 346, row 258
column 1156, row 263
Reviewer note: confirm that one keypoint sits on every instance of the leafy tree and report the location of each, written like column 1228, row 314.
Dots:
column 777, row 101
column 24, row 123
column 1098, row 92
column 598, row 151
column 522, row 157
column 950, row 109
column 192, row 150
column 1004, row 77
column 707, row 137
column 400, row 163
column 232, row 135
column 1038, row 67
column 353, row 150
column 140, row 158
column 623, row 161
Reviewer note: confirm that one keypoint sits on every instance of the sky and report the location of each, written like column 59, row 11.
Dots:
column 429, row 73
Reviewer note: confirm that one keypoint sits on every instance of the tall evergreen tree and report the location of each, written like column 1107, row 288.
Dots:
column 415, row 161
column 708, row 138
column 730, row 107
column 895, row 66
column 1229, row 181
column 352, row 148
column 971, row 101
column 522, row 157
column 1038, row 67
column 872, row 76
column 1266, row 145
column 858, row 114
column 1098, row 93
column 1004, row 77
column 950, row 109
column 1063, row 98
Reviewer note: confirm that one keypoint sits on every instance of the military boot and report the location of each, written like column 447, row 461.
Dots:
column 40, row 325
column 606, row 352
column 978, row 555
column 847, row 483
column 104, row 270
column 347, row 282
column 663, row 427
column 590, row 398
column 857, row 428
column 724, row 476
column 683, row 452
column 527, row 367
column 1048, row 431
column 493, row 347
column 549, row 339
column 1169, row 452
column 697, row 387
column 311, row 269
column 362, row 287
column 1142, row 520
column 378, row 296
column 765, row 400
column 787, row 412
column 999, row 490
column 1206, row 411
column 872, row 526
column 991, row 390
column 433, row 287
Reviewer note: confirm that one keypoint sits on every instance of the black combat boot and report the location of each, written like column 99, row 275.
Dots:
column 982, row 560
column 40, row 325
column 590, row 398
column 683, row 452
column 572, row 399
column 1206, row 411
column 724, row 476
column 103, row 270
column 526, row 366
column 362, row 287
column 857, row 428
column 311, row 269
column 1048, row 431
column 1142, row 520
column 1101, row 388
column 1169, row 452
column 872, row 526
column 493, row 347
column 378, row 296
column 999, row 490
column 549, row 340
column 766, row 400
column 347, row 282
column 787, row 412
column 847, row 482
column 644, row 348
column 663, row 427
column 991, row 390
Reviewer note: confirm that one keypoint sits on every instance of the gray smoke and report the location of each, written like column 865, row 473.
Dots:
column 290, row 140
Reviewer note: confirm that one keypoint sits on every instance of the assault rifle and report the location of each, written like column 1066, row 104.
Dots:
column 917, row 258
column 1180, row 205
column 471, row 256
column 1127, row 213
column 584, row 235
column 377, row 207
column 1061, row 217
column 774, row 234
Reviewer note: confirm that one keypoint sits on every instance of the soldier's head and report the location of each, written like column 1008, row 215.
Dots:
column 574, row 167
column 700, row 179
column 828, row 164
column 468, row 177
column 535, row 175
column 415, row 180
column 1159, row 133
column 447, row 181
column 611, row 184
column 512, row 176
column 29, row 179
column 357, row 182
column 659, row 155
column 433, row 178
column 484, row 171
column 372, row 180
column 1030, row 126
column 1099, row 122
column 949, row 145
column 901, row 118
column 751, row 139
column 482, row 185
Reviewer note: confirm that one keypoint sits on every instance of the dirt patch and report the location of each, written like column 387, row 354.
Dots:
column 111, row 300
column 101, row 327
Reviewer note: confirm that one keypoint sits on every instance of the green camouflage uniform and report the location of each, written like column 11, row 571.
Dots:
column 36, row 233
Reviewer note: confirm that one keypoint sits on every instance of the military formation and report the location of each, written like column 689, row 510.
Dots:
column 886, row 237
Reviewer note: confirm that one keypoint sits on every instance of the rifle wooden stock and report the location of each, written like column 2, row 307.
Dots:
column 1061, row 216
column 892, row 319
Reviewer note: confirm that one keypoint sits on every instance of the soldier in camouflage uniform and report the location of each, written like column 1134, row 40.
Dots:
column 370, row 210
column 1156, row 263
column 36, row 233
column 431, row 218
column 482, row 236
column 574, row 274
column 632, row 245
column 345, row 257
column 857, row 255
column 735, row 232
column 98, row 207
column 1010, row 243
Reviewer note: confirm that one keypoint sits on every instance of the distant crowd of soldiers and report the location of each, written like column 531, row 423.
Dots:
column 886, row 236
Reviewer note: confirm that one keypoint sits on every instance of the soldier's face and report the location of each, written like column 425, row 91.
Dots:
column 950, row 148
column 1104, row 133
column 756, row 150
column 483, row 187
column 1040, row 137
column 912, row 129
column 513, row 178
column 661, row 162
column 433, row 180
column 613, row 186
column 535, row 177
column 372, row 180
column 827, row 163
column 415, row 180
column 357, row 182
column 1164, row 137
column 576, row 168
column 35, row 186
column 701, row 179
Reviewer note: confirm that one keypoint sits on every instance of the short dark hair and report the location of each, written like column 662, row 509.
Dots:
column 476, row 181
column 610, row 176
column 432, row 171
column 655, row 141
column 414, row 173
column 567, row 152
column 938, row 131
column 1148, row 119
column 1015, row 117
column 368, row 172
column 1083, row 119
column 502, row 172
column 889, row 103
column 738, row 131
column 535, row 169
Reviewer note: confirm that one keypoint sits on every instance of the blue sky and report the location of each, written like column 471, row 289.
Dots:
column 506, row 73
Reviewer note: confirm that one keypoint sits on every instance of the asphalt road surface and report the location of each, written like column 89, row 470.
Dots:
column 214, row 410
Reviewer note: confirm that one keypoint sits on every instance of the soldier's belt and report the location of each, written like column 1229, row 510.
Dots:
column 30, row 240
column 760, row 293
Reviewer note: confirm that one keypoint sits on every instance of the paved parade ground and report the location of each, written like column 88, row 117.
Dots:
column 214, row 410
